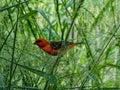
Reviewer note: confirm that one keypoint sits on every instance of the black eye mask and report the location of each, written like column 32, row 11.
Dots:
column 38, row 41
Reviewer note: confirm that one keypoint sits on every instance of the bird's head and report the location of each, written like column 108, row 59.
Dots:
column 41, row 42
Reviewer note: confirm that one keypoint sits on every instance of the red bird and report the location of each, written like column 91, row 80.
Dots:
column 54, row 47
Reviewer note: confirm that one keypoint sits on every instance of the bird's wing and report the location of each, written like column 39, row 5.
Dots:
column 56, row 44
column 59, row 44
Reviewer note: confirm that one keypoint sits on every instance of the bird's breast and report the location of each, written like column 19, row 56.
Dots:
column 50, row 50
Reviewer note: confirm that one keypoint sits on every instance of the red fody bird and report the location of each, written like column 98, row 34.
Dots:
column 54, row 47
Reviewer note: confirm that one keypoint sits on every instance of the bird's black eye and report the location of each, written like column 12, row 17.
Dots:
column 38, row 41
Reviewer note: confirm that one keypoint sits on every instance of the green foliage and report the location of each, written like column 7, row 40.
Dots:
column 93, row 65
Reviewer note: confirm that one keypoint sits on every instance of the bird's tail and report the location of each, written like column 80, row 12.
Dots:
column 73, row 44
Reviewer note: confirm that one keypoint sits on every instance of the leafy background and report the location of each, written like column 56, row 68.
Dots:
column 94, row 65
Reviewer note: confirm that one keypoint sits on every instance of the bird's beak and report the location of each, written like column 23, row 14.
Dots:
column 34, row 43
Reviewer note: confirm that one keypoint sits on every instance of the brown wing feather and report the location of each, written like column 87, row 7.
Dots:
column 56, row 45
